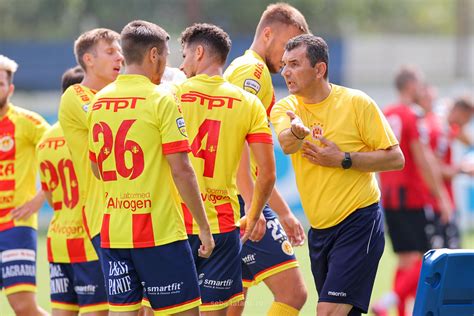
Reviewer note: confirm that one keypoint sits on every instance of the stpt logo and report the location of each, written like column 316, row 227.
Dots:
column 209, row 100
column 116, row 104
column 53, row 143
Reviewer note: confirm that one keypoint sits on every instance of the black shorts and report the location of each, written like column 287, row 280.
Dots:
column 344, row 258
column 408, row 229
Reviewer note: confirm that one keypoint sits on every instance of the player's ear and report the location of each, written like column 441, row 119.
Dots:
column 199, row 52
column 11, row 89
column 321, row 69
column 267, row 33
column 87, row 58
column 153, row 55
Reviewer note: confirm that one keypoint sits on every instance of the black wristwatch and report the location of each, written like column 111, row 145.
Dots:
column 346, row 163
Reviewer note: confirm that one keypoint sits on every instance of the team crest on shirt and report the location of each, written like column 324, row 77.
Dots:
column 6, row 143
column 317, row 130
column 85, row 107
column 181, row 126
column 287, row 248
column 251, row 86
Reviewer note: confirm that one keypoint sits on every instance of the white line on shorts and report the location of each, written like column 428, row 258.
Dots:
column 370, row 237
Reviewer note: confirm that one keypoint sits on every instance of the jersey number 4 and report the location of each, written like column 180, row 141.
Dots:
column 120, row 147
column 211, row 128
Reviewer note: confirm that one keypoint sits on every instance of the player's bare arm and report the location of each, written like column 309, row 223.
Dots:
column 288, row 220
column 426, row 162
column 30, row 207
column 186, row 182
column 328, row 154
column 264, row 184
column 245, row 185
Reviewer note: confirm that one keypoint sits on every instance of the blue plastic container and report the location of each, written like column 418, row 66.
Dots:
column 446, row 284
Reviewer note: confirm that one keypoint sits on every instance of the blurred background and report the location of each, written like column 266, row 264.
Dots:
column 368, row 41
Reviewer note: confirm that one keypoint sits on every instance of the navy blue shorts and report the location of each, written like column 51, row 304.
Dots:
column 269, row 256
column 96, row 243
column 166, row 273
column 18, row 260
column 78, row 287
column 220, row 275
column 344, row 258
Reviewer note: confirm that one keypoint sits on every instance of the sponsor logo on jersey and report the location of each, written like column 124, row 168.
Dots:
column 53, row 143
column 251, row 86
column 6, row 143
column 181, row 126
column 211, row 101
column 116, row 104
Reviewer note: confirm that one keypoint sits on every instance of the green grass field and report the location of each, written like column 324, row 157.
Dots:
column 259, row 298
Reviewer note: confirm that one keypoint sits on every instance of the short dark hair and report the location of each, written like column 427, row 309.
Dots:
column 72, row 76
column 282, row 13
column 405, row 75
column 138, row 36
column 464, row 103
column 316, row 49
column 87, row 41
column 209, row 35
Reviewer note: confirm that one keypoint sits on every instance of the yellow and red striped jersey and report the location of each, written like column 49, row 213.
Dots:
column 133, row 125
column 72, row 117
column 20, row 132
column 219, row 117
column 67, row 239
column 250, row 73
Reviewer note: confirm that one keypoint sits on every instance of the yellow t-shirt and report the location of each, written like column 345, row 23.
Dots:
column 133, row 125
column 219, row 117
column 72, row 117
column 351, row 120
column 67, row 239
column 20, row 132
column 250, row 72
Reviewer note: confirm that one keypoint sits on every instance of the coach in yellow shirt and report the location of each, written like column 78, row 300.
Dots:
column 337, row 138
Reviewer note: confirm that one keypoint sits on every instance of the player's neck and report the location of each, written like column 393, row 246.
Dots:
column 4, row 108
column 211, row 69
column 259, row 49
column 316, row 93
column 93, row 82
column 406, row 99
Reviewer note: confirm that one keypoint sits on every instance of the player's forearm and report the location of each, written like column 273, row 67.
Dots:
column 244, row 177
column 288, row 142
column 263, row 188
column 278, row 204
column 378, row 160
column 48, row 197
column 430, row 170
column 188, row 188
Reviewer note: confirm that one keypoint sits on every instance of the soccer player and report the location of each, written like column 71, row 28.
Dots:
column 138, row 146
column 220, row 117
column 20, row 132
column 270, row 259
column 99, row 54
column 76, row 276
column 338, row 138
column 406, row 192
column 443, row 131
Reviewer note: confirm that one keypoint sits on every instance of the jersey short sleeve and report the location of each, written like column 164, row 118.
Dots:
column 373, row 126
